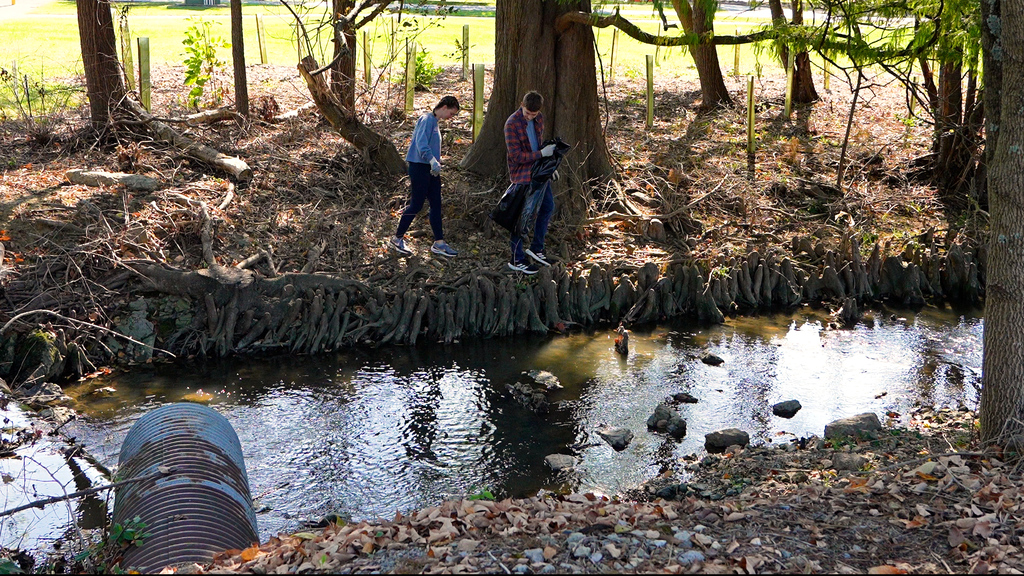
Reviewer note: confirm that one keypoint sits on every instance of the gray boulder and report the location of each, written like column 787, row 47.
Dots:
column 666, row 419
column 862, row 425
column 559, row 462
column 786, row 409
column 722, row 439
column 617, row 438
column 846, row 461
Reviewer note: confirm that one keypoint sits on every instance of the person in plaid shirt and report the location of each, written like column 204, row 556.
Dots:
column 522, row 139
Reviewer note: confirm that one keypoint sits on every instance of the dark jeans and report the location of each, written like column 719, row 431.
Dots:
column 422, row 187
column 547, row 207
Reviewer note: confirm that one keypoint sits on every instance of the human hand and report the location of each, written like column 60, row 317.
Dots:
column 435, row 167
column 547, row 150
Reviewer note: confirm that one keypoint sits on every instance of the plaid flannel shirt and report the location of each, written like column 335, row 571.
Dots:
column 520, row 156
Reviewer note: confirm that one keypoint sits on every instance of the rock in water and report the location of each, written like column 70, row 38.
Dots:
column 559, row 462
column 719, row 441
column 545, row 379
column 710, row 359
column 862, row 425
column 666, row 419
column 617, row 438
column 786, row 409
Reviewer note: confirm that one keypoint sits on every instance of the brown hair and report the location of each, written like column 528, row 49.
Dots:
column 448, row 102
column 533, row 101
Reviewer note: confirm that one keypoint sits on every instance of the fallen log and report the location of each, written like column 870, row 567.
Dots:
column 99, row 178
column 164, row 133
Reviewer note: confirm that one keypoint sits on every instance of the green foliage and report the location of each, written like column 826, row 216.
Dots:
column 483, row 494
column 8, row 566
column 201, row 62
column 426, row 71
column 131, row 534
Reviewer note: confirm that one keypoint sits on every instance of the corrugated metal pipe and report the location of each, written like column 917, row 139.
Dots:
column 203, row 506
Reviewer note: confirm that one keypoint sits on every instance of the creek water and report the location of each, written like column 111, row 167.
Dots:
column 368, row 432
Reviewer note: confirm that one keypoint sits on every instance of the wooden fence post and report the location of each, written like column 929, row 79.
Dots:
column 261, row 39
column 126, row 55
column 478, row 99
column 367, row 65
column 410, row 75
column 750, row 115
column 465, row 51
column 611, row 59
column 145, row 87
column 789, row 82
column 650, row 91
column 736, row 58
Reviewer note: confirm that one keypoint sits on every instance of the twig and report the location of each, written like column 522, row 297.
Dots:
column 503, row 567
column 228, row 197
column 61, row 316
column 80, row 493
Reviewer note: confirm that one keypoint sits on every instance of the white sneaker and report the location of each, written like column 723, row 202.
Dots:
column 399, row 245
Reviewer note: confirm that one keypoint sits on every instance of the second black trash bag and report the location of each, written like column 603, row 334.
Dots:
column 510, row 206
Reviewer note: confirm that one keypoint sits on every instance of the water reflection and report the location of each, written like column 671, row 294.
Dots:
column 371, row 432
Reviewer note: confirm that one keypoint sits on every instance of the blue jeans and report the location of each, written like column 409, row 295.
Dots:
column 423, row 187
column 546, row 208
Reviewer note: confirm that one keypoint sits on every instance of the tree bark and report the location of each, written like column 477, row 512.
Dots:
column 1002, row 394
column 238, row 59
column 531, row 55
column 803, row 80
column 698, row 20
column 377, row 148
column 343, row 73
column 103, row 83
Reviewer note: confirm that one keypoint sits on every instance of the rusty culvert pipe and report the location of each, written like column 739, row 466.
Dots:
column 203, row 507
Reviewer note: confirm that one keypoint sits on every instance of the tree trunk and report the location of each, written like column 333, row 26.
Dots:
column 803, row 81
column 103, row 83
column 698, row 20
column 238, row 59
column 1002, row 394
column 343, row 73
column 993, row 82
column 530, row 55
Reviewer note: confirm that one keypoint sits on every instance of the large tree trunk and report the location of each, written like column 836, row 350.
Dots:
column 698, row 20
column 803, row 81
column 103, row 83
column 530, row 55
column 343, row 73
column 1002, row 394
column 238, row 59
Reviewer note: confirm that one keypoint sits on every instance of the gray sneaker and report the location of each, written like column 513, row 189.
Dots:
column 441, row 247
column 399, row 245
column 538, row 257
column 529, row 270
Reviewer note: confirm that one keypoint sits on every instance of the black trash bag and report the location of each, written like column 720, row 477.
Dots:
column 543, row 169
column 510, row 206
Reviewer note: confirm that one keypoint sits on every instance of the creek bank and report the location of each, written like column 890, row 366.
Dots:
column 773, row 508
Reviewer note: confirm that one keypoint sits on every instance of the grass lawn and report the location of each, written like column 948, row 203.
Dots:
column 32, row 40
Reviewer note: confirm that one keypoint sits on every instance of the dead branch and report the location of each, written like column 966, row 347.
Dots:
column 98, row 178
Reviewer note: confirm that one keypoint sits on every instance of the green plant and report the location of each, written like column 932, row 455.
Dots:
column 483, row 494
column 133, row 533
column 426, row 71
column 201, row 62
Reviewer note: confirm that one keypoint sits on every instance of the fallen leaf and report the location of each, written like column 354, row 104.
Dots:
column 956, row 537
column 886, row 569
column 251, row 553
column 983, row 528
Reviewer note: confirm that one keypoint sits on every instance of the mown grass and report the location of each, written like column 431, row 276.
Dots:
column 32, row 41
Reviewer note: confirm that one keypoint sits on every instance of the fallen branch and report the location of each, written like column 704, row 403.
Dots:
column 207, row 116
column 164, row 133
column 98, row 178
column 228, row 197
column 80, row 493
